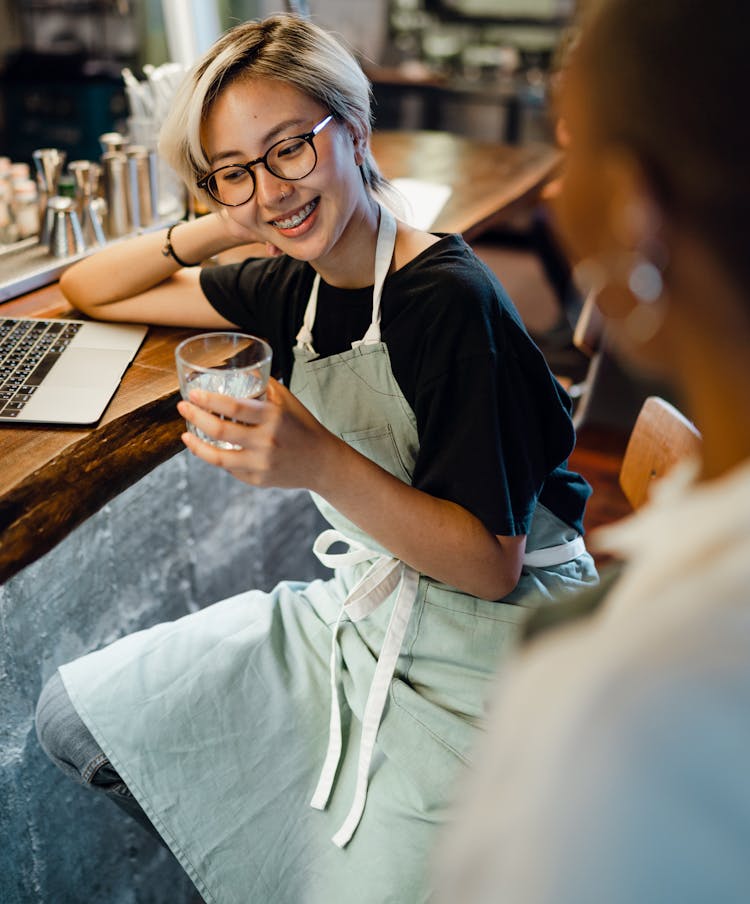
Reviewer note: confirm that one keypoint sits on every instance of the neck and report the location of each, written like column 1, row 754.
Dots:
column 718, row 400
column 350, row 264
column 710, row 343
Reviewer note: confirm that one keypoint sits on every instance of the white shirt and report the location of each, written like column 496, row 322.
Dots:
column 616, row 766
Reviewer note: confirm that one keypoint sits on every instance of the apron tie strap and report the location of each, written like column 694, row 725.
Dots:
column 383, row 255
column 555, row 555
column 370, row 592
column 304, row 337
column 386, row 242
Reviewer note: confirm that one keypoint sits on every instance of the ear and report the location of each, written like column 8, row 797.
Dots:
column 359, row 141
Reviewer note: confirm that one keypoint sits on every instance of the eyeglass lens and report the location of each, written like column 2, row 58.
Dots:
column 293, row 158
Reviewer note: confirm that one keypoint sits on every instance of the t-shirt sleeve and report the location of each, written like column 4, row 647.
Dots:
column 492, row 421
column 229, row 289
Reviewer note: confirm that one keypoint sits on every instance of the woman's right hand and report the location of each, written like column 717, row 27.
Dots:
column 242, row 236
column 236, row 233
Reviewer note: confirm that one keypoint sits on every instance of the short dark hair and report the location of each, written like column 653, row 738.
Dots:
column 668, row 79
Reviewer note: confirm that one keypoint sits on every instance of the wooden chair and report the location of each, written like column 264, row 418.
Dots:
column 661, row 437
column 587, row 338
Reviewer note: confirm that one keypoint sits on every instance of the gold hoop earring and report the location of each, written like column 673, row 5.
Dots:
column 642, row 276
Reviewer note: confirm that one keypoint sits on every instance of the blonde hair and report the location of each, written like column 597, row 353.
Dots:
column 282, row 48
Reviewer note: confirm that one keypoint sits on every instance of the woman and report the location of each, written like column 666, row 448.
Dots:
column 437, row 453
column 615, row 768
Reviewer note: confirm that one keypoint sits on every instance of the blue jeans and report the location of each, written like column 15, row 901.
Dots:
column 72, row 748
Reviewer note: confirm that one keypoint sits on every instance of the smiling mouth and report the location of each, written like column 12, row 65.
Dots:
column 297, row 218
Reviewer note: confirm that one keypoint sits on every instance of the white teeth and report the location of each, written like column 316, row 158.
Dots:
column 298, row 218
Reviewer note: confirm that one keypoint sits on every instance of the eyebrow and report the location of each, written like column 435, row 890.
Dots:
column 268, row 139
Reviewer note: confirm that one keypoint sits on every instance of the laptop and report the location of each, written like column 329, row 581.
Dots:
column 62, row 371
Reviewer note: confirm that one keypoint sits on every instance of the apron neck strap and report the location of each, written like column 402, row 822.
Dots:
column 384, row 248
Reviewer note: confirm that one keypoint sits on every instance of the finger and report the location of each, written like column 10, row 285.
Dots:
column 234, row 461
column 248, row 411
column 277, row 393
column 204, row 450
column 212, row 455
column 201, row 448
column 218, row 427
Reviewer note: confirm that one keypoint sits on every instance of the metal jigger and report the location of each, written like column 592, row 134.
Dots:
column 93, row 218
column 91, row 207
column 48, row 163
column 65, row 236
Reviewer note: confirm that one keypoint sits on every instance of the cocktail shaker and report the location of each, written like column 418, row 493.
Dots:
column 141, row 197
column 112, row 141
column 115, row 183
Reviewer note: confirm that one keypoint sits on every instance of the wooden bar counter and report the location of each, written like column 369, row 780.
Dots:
column 53, row 478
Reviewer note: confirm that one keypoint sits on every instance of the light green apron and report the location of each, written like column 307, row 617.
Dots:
column 302, row 745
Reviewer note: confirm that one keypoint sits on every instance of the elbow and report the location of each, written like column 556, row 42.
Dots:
column 72, row 287
column 496, row 589
column 492, row 584
column 499, row 572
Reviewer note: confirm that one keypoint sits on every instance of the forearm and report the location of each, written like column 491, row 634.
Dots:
column 280, row 443
column 434, row 536
column 131, row 267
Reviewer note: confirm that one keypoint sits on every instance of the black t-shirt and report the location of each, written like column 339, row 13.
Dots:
column 494, row 425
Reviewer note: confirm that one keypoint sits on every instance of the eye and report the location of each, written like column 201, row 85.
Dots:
column 232, row 175
column 291, row 148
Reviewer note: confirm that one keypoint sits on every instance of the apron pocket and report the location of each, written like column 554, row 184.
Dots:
column 379, row 445
column 460, row 642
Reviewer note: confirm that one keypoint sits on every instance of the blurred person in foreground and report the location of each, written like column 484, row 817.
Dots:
column 615, row 766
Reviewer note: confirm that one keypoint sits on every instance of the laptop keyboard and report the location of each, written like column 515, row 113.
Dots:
column 28, row 349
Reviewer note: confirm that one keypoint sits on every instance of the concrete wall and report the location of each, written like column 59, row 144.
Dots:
column 184, row 536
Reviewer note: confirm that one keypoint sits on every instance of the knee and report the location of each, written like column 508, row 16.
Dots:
column 62, row 734
column 47, row 717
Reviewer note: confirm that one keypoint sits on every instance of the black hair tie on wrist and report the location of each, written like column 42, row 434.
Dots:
column 168, row 250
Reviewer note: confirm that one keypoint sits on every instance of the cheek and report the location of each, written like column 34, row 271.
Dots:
column 242, row 214
column 580, row 210
column 339, row 159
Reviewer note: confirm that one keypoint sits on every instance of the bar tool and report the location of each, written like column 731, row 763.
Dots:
column 142, row 208
column 48, row 164
column 112, row 141
column 65, row 235
column 115, row 182
column 91, row 208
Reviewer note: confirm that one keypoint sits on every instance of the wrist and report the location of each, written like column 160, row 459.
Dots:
column 332, row 467
column 191, row 242
column 168, row 249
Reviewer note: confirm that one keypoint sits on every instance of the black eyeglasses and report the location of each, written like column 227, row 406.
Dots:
column 290, row 159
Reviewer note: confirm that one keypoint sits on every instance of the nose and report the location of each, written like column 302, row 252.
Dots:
column 269, row 189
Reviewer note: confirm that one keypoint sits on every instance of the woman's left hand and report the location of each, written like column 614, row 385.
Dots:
column 281, row 443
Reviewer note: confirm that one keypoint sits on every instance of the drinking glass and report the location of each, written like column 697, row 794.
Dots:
column 230, row 363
